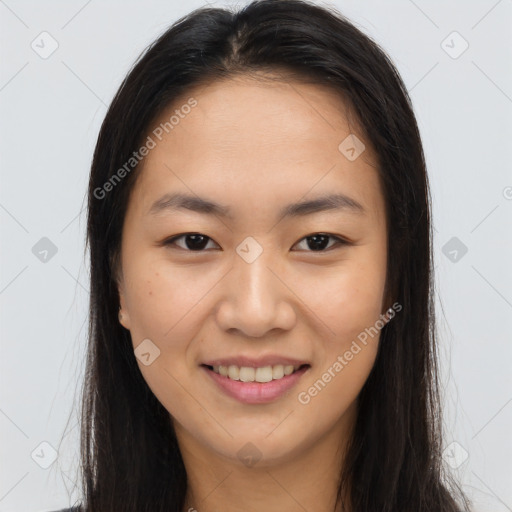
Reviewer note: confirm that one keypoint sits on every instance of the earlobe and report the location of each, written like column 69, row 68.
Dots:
column 124, row 319
column 389, row 303
column 389, row 313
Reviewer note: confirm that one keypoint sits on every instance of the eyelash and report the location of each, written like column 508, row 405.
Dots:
column 339, row 241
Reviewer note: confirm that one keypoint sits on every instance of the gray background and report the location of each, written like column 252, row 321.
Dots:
column 51, row 111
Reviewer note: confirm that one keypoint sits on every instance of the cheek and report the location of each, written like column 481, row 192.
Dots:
column 164, row 302
column 349, row 306
column 345, row 299
column 161, row 297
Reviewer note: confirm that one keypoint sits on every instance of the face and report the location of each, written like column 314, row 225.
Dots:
column 254, row 282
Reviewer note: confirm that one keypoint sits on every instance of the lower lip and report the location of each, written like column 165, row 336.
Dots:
column 256, row 392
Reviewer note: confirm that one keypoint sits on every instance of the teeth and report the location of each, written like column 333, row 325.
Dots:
column 278, row 371
column 263, row 374
column 288, row 369
column 248, row 374
column 233, row 372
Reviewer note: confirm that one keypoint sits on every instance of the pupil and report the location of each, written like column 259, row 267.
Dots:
column 198, row 242
column 319, row 242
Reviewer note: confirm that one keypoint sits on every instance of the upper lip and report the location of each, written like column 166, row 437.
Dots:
column 255, row 362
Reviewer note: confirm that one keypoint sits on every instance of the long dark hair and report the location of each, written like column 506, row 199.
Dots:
column 130, row 459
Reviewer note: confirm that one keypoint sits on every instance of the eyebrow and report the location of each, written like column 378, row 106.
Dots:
column 178, row 201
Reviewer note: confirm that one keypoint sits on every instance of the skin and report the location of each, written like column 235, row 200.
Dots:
column 255, row 147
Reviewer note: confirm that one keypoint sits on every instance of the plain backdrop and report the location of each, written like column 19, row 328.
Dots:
column 455, row 59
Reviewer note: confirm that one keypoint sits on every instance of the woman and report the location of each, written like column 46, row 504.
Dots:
column 262, row 330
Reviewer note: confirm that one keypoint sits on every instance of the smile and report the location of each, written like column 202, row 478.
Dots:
column 256, row 385
column 262, row 374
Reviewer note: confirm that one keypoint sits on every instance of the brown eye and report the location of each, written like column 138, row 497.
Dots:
column 319, row 242
column 195, row 242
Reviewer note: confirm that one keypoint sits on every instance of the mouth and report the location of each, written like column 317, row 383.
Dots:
column 260, row 374
column 250, row 385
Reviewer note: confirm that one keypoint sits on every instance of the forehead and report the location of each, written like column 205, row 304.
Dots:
column 246, row 136
column 254, row 113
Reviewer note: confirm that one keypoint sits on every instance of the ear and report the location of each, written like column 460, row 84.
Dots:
column 388, row 302
column 124, row 315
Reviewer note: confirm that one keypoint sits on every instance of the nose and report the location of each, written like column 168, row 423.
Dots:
column 256, row 298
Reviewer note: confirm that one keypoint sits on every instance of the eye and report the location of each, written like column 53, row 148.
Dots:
column 197, row 242
column 319, row 242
